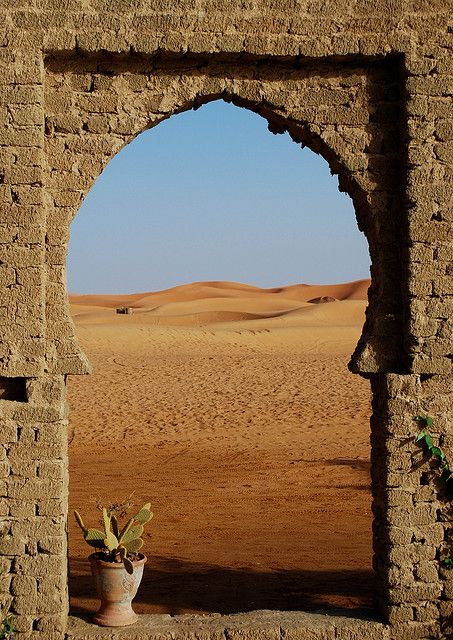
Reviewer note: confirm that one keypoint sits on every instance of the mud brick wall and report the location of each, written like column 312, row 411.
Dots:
column 369, row 86
column 412, row 518
column 33, row 483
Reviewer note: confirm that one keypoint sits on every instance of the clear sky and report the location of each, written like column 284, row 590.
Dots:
column 212, row 195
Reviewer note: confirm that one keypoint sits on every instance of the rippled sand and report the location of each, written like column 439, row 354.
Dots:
column 232, row 410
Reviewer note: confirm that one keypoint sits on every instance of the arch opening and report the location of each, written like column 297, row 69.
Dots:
column 259, row 363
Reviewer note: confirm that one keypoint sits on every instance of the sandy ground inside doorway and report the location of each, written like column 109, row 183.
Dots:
column 231, row 409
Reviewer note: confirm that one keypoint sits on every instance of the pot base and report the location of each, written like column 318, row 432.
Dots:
column 108, row 616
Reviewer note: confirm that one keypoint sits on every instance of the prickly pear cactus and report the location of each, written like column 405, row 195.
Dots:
column 118, row 543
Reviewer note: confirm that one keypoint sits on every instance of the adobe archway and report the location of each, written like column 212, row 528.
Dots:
column 349, row 113
column 381, row 117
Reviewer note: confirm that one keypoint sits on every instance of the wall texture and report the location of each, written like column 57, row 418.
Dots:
column 368, row 84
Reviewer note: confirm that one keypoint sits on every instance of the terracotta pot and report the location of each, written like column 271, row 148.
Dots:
column 116, row 589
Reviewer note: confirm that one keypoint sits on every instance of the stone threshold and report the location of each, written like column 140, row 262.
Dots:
column 256, row 625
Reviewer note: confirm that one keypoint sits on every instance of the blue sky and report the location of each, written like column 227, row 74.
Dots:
column 212, row 195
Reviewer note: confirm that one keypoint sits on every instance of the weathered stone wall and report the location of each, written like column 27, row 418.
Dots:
column 34, row 485
column 367, row 84
column 411, row 526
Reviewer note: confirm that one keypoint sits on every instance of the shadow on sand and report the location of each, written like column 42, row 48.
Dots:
column 175, row 587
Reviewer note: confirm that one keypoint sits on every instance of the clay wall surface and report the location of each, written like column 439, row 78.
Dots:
column 369, row 86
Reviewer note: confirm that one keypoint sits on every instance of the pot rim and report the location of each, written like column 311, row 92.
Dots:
column 116, row 565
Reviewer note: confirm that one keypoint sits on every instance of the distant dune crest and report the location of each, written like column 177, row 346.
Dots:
column 356, row 290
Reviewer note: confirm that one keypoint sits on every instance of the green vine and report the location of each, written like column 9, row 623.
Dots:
column 6, row 624
column 425, row 440
column 7, row 628
column 6, row 618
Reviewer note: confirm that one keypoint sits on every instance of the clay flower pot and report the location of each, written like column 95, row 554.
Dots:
column 116, row 589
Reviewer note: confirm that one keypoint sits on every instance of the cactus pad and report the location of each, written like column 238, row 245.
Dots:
column 128, row 565
column 79, row 520
column 95, row 538
column 133, row 546
column 111, row 541
column 106, row 520
column 115, row 528
column 144, row 515
column 126, row 527
column 132, row 533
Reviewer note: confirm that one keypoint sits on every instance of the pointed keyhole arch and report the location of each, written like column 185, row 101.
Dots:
column 335, row 111
column 121, row 412
column 373, row 352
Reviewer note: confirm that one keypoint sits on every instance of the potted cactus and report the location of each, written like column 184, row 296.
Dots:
column 117, row 565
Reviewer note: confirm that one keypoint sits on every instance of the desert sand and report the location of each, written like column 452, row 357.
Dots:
column 231, row 409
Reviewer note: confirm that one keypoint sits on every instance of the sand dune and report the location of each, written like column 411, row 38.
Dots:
column 231, row 409
column 219, row 302
column 356, row 290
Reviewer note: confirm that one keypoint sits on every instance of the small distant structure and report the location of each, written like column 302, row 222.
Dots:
column 124, row 310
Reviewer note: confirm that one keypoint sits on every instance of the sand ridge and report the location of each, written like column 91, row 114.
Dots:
column 356, row 290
